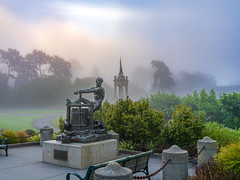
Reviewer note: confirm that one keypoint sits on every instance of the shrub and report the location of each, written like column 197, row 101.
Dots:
column 134, row 121
column 61, row 124
column 220, row 133
column 35, row 138
column 125, row 146
column 54, row 136
column 23, row 137
column 11, row 136
column 229, row 156
column 30, row 132
column 185, row 129
column 212, row 170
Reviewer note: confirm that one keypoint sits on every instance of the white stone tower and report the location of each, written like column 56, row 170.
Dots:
column 121, row 81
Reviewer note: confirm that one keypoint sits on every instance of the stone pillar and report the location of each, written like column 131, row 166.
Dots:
column 177, row 168
column 113, row 171
column 46, row 134
column 209, row 151
column 115, row 136
column 126, row 91
column 115, row 91
column 121, row 92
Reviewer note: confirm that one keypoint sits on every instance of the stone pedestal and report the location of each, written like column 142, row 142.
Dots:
column 46, row 134
column 79, row 155
column 113, row 171
column 209, row 151
column 115, row 136
column 177, row 169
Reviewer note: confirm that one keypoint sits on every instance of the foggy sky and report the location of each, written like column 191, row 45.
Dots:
column 190, row 36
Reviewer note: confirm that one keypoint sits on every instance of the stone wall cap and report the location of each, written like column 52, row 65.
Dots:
column 113, row 169
column 175, row 150
column 176, row 154
column 207, row 142
column 46, row 128
column 207, row 139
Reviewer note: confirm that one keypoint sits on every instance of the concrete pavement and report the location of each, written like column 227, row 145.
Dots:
column 25, row 163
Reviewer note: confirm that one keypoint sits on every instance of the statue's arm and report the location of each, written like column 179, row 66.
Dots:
column 93, row 89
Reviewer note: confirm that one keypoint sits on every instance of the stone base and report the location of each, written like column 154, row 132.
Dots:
column 79, row 155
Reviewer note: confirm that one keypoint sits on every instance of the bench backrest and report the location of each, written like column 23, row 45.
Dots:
column 136, row 163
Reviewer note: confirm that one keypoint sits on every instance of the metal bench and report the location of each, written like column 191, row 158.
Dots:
column 137, row 163
column 5, row 145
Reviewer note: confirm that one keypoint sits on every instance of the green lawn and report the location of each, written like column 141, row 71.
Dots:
column 36, row 111
column 17, row 122
column 23, row 119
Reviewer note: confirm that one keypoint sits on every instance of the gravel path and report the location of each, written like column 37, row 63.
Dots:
column 46, row 120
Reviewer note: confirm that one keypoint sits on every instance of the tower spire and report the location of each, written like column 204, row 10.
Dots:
column 121, row 70
column 120, row 82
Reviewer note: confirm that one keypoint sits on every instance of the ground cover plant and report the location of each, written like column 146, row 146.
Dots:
column 220, row 133
column 229, row 157
column 23, row 137
column 10, row 135
column 213, row 170
column 35, row 138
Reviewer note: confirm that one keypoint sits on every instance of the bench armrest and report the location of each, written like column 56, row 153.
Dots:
column 6, row 141
column 74, row 174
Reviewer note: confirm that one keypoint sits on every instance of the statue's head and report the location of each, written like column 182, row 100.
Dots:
column 99, row 81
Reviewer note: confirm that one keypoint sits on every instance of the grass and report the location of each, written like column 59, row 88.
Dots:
column 23, row 119
column 36, row 111
column 17, row 123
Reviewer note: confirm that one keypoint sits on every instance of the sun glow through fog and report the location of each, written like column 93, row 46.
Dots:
column 98, row 13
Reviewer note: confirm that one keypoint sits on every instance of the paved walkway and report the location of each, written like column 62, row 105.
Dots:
column 46, row 120
column 25, row 163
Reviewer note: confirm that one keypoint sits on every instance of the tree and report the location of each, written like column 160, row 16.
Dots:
column 164, row 102
column 11, row 60
column 231, row 109
column 40, row 61
column 17, row 67
column 25, row 73
column 162, row 77
column 59, row 68
column 206, row 102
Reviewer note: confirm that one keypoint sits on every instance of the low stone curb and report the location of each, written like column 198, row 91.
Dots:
column 23, row 144
column 131, row 152
column 155, row 155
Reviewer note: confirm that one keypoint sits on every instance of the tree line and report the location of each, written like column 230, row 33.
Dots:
column 224, row 109
column 36, row 80
column 20, row 70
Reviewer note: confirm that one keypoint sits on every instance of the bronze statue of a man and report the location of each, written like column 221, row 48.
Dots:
column 80, row 126
column 99, row 94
